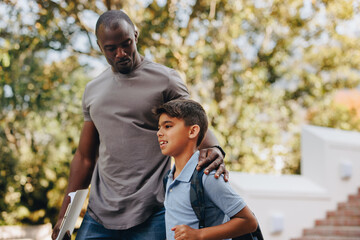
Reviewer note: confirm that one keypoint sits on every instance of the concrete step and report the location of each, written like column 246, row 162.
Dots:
column 354, row 198
column 348, row 231
column 351, row 214
column 338, row 222
column 36, row 232
column 342, row 224
column 349, row 206
column 325, row 238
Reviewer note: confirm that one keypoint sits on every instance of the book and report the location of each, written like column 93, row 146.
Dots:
column 72, row 213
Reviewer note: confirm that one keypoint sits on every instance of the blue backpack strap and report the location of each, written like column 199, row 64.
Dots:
column 165, row 179
column 197, row 198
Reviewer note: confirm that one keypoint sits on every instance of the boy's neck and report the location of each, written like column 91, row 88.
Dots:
column 182, row 159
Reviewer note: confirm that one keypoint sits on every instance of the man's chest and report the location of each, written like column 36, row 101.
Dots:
column 125, row 101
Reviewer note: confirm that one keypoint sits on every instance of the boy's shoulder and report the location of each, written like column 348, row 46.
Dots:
column 209, row 183
column 210, row 180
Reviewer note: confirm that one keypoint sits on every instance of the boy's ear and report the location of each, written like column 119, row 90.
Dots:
column 194, row 131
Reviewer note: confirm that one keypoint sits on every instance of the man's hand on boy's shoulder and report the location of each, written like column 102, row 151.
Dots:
column 213, row 159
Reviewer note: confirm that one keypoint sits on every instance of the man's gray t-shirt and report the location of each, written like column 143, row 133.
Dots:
column 126, row 186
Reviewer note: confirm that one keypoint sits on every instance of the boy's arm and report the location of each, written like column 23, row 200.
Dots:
column 242, row 223
column 211, row 157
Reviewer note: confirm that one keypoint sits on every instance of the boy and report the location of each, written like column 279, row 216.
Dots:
column 182, row 126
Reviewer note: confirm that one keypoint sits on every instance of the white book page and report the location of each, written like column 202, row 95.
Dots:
column 72, row 212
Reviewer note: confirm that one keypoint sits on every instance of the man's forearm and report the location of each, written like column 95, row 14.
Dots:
column 80, row 177
column 212, row 156
column 210, row 140
column 82, row 167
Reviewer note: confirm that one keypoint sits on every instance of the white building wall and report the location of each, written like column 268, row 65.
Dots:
column 286, row 204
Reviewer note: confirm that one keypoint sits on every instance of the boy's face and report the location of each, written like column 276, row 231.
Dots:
column 173, row 135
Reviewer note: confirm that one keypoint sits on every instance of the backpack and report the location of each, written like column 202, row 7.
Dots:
column 197, row 200
column 198, row 204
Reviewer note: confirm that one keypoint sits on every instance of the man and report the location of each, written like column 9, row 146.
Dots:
column 118, row 150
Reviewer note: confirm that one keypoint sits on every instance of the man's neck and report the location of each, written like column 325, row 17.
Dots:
column 139, row 59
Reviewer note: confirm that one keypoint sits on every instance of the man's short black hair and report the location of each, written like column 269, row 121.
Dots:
column 188, row 110
column 112, row 17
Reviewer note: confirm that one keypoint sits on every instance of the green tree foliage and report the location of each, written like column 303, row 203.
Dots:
column 40, row 113
column 330, row 113
column 256, row 66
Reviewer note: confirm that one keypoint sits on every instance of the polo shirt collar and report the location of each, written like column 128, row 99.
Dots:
column 186, row 173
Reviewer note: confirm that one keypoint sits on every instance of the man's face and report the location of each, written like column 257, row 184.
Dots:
column 118, row 43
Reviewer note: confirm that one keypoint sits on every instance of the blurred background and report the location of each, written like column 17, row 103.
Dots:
column 260, row 68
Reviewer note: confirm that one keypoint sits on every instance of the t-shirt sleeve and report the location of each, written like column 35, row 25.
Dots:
column 85, row 107
column 177, row 88
column 222, row 194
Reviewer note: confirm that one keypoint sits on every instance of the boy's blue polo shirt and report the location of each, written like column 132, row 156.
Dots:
column 221, row 200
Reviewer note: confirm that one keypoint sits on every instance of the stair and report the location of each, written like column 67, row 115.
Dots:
column 342, row 224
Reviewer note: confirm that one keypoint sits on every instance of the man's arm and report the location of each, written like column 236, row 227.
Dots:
column 211, row 157
column 81, row 168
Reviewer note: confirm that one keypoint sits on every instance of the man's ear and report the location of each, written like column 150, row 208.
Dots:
column 136, row 33
column 97, row 41
column 194, row 131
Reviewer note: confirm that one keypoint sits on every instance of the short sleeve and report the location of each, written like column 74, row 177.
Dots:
column 222, row 194
column 176, row 88
column 85, row 107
